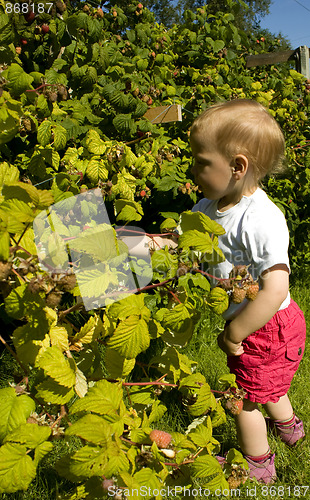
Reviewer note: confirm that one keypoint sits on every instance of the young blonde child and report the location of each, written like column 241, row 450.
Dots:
column 235, row 144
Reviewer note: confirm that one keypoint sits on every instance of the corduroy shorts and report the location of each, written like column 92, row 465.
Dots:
column 271, row 356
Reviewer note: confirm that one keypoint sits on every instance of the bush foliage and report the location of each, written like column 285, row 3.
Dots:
column 76, row 83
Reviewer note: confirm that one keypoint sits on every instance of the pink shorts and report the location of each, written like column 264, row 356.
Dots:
column 271, row 356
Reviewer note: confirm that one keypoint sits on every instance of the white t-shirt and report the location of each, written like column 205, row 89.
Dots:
column 256, row 235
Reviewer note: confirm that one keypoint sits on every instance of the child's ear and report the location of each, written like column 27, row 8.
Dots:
column 240, row 164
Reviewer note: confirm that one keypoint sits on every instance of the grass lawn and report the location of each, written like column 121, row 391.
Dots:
column 292, row 464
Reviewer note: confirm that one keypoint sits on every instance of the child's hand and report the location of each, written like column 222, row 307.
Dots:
column 230, row 348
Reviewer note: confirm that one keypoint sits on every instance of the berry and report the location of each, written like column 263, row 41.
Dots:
column 45, row 28
column 235, row 406
column 5, row 269
column 161, row 438
column 188, row 185
column 240, row 270
column 252, row 291
column 52, row 96
column 62, row 92
column 23, row 41
column 114, row 13
column 136, row 92
column 238, row 295
column 153, row 54
column 29, row 16
column 108, row 485
column 18, row 50
column 149, row 101
column 61, row 6
column 53, row 299
column 68, row 282
column 140, row 6
column 142, row 193
column 226, row 284
column 100, row 13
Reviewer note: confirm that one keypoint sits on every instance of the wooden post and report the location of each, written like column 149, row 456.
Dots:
column 302, row 61
column 164, row 114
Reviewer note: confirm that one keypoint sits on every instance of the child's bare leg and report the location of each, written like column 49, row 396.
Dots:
column 282, row 410
column 251, row 430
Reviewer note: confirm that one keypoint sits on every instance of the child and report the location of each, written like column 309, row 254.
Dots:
column 235, row 144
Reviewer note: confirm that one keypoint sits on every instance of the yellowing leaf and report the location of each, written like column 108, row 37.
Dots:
column 103, row 398
column 117, row 365
column 90, row 331
column 30, row 435
column 17, row 470
column 92, row 428
column 51, row 392
column 53, row 362
column 14, row 410
column 59, row 337
column 130, row 337
column 81, row 386
column 94, row 144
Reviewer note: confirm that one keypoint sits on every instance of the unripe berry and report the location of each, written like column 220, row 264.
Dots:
column 18, row 50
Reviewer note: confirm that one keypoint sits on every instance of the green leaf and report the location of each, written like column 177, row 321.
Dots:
column 51, row 392
column 94, row 144
column 17, row 470
column 19, row 81
column 117, row 365
column 31, row 435
column 96, row 170
column 53, row 362
column 205, row 467
column 133, row 305
column 92, row 428
column 42, row 450
column 165, row 265
column 130, row 337
column 44, row 134
column 60, row 137
column 4, row 245
column 204, row 402
column 90, row 331
column 128, row 211
column 14, row 410
column 201, row 222
column 202, row 434
column 103, row 398
column 218, row 45
column 218, row 300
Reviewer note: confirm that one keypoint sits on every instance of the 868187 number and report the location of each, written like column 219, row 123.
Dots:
column 25, row 8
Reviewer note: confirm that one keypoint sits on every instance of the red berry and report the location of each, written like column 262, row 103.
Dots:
column 142, row 193
column 153, row 54
column 188, row 185
column 23, row 41
column 161, row 438
column 45, row 28
column 140, row 6
column 149, row 101
column 29, row 16
column 235, row 406
column 100, row 13
column 262, row 39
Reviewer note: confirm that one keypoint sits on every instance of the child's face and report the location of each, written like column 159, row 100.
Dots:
column 211, row 170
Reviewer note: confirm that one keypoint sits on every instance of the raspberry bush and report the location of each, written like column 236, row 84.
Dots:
column 75, row 85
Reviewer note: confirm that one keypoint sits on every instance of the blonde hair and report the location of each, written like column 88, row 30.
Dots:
column 242, row 126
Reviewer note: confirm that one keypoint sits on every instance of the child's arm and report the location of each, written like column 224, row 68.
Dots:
column 140, row 245
column 275, row 285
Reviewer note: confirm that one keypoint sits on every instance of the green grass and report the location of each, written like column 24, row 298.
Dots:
column 292, row 464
